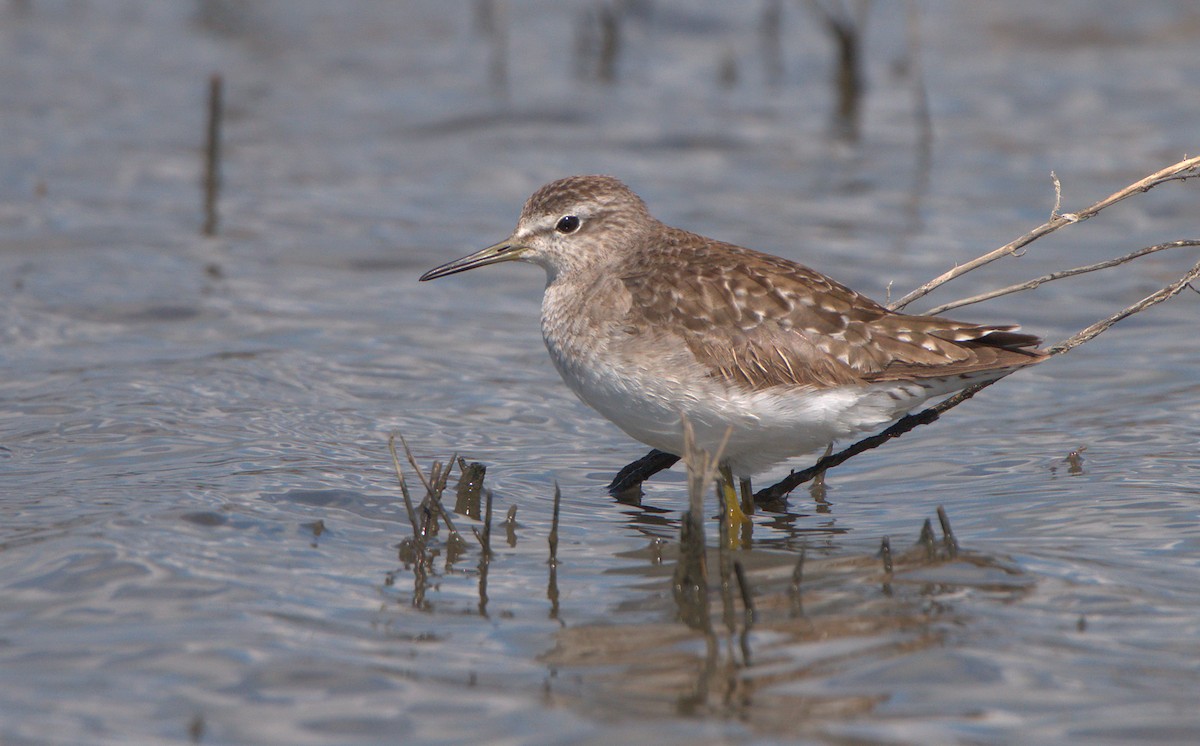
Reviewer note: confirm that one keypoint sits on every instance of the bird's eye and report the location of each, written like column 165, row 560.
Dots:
column 567, row 224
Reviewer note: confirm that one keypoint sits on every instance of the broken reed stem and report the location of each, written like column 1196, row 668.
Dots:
column 702, row 467
column 948, row 539
column 1185, row 169
column 926, row 539
column 419, row 559
column 1153, row 299
column 412, row 514
column 691, row 572
column 485, row 553
column 1031, row 284
column 484, row 563
column 469, row 490
column 212, row 155
column 845, row 30
column 435, row 484
column 552, row 580
column 554, row 527
column 487, row 524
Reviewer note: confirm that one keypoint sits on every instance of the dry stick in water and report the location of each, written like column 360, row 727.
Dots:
column 552, row 583
column 846, row 31
column 212, row 156
column 412, row 514
column 487, row 523
column 927, row 540
column 1184, row 169
column 510, row 525
column 691, row 572
column 553, row 541
column 1153, row 299
column 885, row 552
column 469, row 490
column 420, row 572
column 485, row 555
column 1035, row 282
column 948, row 539
column 434, row 485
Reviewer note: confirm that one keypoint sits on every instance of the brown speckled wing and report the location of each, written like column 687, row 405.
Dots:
column 762, row 321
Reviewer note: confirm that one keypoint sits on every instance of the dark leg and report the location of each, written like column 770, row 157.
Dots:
column 780, row 490
column 639, row 471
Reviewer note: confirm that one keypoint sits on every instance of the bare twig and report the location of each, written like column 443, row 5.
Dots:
column 1031, row 284
column 691, row 571
column 486, row 539
column 1057, row 196
column 212, row 155
column 927, row 540
column 553, row 540
column 469, row 492
column 510, row 525
column 412, row 514
column 435, row 484
column 948, row 539
column 1153, row 299
column 845, row 29
column 1184, row 169
column 702, row 466
column 552, row 581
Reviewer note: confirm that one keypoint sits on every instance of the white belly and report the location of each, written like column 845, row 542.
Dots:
column 767, row 427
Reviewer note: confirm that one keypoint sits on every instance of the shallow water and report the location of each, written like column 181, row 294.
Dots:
column 201, row 518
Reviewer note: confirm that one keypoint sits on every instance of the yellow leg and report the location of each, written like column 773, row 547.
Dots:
column 747, row 496
column 735, row 520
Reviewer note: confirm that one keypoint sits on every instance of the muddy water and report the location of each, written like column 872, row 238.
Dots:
column 201, row 522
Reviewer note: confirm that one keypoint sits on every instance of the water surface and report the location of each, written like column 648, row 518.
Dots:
column 201, row 521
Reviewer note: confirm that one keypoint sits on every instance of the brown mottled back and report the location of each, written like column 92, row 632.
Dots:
column 763, row 321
